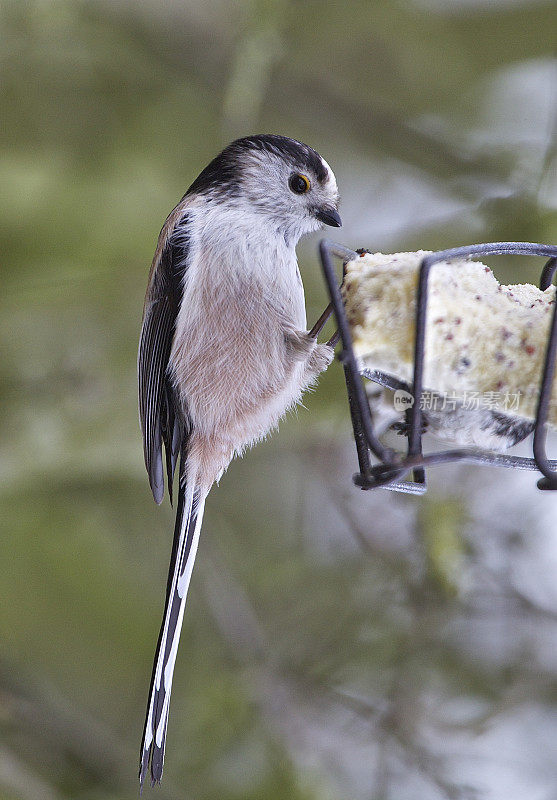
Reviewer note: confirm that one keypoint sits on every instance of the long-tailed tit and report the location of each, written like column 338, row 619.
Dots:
column 224, row 350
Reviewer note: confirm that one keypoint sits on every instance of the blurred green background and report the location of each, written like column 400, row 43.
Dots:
column 337, row 644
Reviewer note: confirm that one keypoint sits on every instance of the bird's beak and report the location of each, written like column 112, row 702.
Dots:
column 329, row 216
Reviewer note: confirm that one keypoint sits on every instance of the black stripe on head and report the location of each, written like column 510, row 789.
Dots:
column 301, row 154
column 224, row 170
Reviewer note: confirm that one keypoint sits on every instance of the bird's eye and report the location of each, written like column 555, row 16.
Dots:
column 299, row 183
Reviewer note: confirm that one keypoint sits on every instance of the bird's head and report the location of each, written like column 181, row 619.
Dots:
column 276, row 182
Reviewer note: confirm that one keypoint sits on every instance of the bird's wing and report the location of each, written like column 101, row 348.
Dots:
column 163, row 421
column 160, row 417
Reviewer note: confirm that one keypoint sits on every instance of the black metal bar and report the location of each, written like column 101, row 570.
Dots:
column 494, row 249
column 362, row 423
column 546, row 389
column 380, row 474
column 547, row 274
column 347, row 356
column 362, row 448
column 415, row 432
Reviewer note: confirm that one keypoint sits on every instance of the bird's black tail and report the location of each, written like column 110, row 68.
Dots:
column 189, row 514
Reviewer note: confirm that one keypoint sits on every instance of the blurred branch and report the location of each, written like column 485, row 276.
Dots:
column 370, row 122
column 550, row 155
column 17, row 779
column 257, row 51
column 290, row 700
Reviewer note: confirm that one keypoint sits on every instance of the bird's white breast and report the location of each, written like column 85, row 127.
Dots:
column 242, row 295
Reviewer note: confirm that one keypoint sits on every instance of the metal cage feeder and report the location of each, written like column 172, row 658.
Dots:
column 393, row 467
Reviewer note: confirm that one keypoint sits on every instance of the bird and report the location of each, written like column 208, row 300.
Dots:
column 224, row 351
